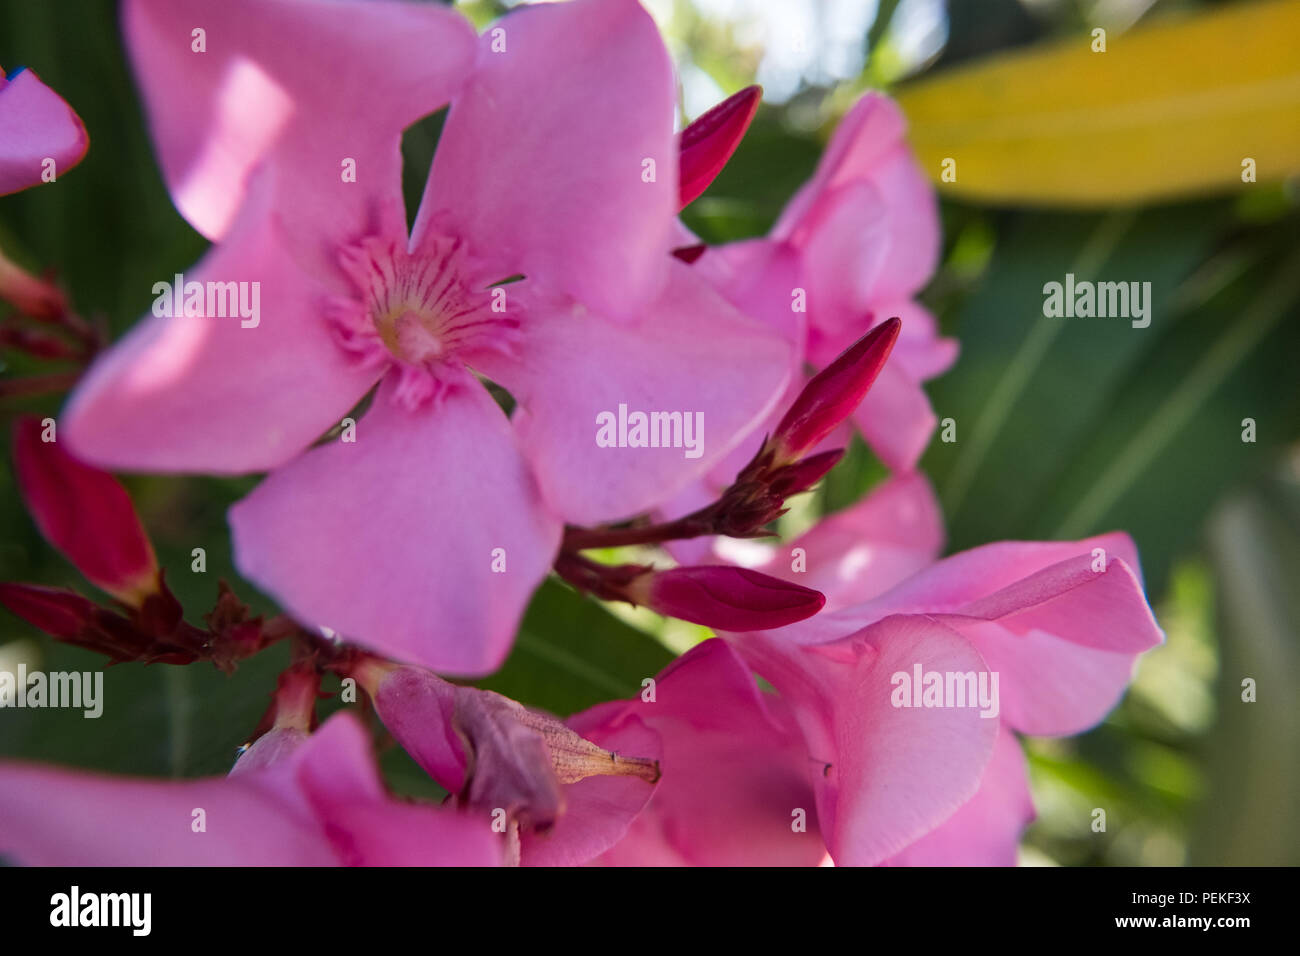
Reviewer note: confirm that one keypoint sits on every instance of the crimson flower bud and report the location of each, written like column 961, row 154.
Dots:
column 62, row 614
column 31, row 296
column 728, row 598
column 86, row 514
column 71, row 618
column 833, row 393
column 707, row 144
column 805, row 473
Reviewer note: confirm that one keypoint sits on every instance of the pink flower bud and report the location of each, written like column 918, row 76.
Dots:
column 86, row 514
column 833, row 393
column 708, row 143
column 729, row 598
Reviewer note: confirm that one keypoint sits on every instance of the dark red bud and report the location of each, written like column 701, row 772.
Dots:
column 59, row 613
column 71, row 618
column 731, row 599
column 833, row 393
column 707, row 144
column 86, row 514
column 805, row 473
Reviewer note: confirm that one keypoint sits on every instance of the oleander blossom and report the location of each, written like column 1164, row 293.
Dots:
column 830, row 767
column 423, row 538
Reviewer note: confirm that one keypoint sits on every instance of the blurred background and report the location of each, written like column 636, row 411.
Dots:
column 1065, row 428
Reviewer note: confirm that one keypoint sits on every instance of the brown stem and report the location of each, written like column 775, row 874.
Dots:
column 691, row 526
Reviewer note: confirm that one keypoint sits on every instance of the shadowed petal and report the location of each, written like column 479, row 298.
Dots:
column 294, row 85
column 209, row 394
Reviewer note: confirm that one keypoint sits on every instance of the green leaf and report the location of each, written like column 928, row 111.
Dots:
column 1073, row 426
column 571, row 654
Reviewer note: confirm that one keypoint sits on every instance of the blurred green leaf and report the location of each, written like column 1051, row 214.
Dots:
column 1065, row 425
column 571, row 654
column 1254, row 749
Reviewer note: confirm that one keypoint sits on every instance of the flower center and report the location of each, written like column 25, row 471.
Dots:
column 424, row 314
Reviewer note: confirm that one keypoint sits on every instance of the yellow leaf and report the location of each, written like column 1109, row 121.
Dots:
column 1169, row 109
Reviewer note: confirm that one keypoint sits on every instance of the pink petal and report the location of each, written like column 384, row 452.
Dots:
column 409, row 516
column 760, row 277
column 1064, row 633
column 540, row 163
column 1049, row 685
column 208, row 394
column 884, row 775
column 56, row 817
column 323, row 806
column 869, row 147
column 35, row 125
column 297, row 86
column 844, row 257
column 689, row 353
column 896, row 419
column 858, row 553
column 734, row 771
column 365, row 827
column 920, row 351
column 986, row 830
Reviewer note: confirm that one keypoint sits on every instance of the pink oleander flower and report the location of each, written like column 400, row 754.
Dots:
column 319, row 804
column 1058, row 626
column 851, row 249
column 37, row 128
column 424, row 537
column 561, row 795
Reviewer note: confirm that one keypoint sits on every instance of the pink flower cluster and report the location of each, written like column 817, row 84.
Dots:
column 546, row 261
